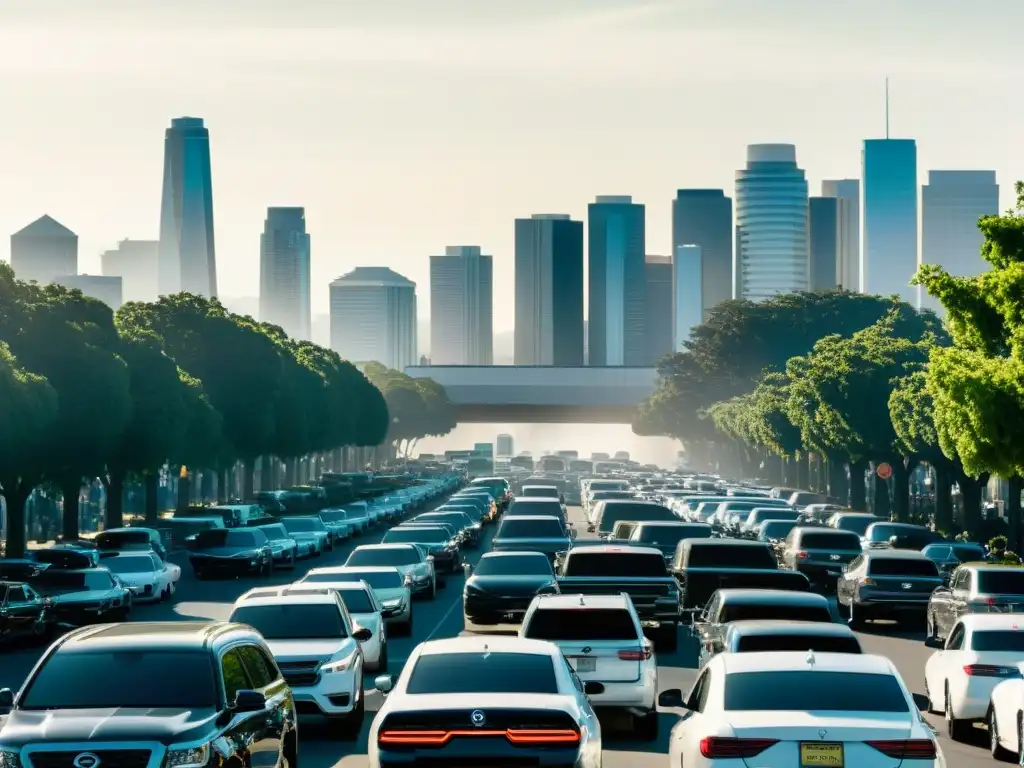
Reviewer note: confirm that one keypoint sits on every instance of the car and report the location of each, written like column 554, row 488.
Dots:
column 886, row 535
column 309, row 532
column 388, row 584
column 975, row 588
column 415, row 565
column 666, row 536
column 607, row 513
column 23, row 612
column 230, row 552
column 820, row 553
column 536, row 533
column 83, row 596
column 887, row 583
column 603, row 640
column 438, row 540
column 119, row 539
column 512, row 701
column 754, row 636
column 855, row 522
column 1005, row 720
column 800, row 708
column 180, row 693
column 283, row 547
column 949, row 554
column 469, row 529
column 149, row 578
column 316, row 647
column 501, row 587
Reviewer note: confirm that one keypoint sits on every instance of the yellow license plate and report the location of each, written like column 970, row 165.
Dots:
column 824, row 754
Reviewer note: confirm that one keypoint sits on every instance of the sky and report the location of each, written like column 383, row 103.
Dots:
column 404, row 126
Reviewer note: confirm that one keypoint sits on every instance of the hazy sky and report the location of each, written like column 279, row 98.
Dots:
column 406, row 125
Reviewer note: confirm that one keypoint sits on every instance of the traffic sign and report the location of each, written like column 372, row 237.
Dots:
column 884, row 471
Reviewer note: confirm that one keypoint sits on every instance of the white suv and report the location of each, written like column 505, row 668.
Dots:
column 603, row 640
column 317, row 649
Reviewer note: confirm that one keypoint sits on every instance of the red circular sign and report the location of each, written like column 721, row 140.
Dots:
column 884, row 471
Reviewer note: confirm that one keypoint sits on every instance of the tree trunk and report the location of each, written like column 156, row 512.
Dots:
column 151, row 487
column 880, row 496
column 838, row 487
column 802, row 472
column 943, row 498
column 1016, row 484
column 114, row 483
column 71, row 490
column 184, row 492
column 901, row 470
column 16, row 492
column 773, row 469
column 249, row 478
column 970, row 490
column 858, row 491
column 789, row 471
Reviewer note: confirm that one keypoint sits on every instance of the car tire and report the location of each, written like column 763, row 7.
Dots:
column 857, row 618
column 956, row 729
column 292, row 560
column 998, row 751
column 645, row 726
column 291, row 750
column 349, row 727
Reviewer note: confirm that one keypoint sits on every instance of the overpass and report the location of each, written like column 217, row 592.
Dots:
column 523, row 394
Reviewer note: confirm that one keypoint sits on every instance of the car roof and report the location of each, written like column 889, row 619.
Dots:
column 396, row 545
column 817, row 529
column 896, row 554
column 982, row 567
column 616, row 549
column 794, row 661
column 343, row 569
column 535, row 499
column 861, row 514
column 130, row 529
column 569, row 602
column 755, row 596
column 668, row 524
column 113, row 555
column 787, row 627
column 511, row 552
column 283, row 598
column 724, row 542
column 484, row 643
column 532, row 517
column 301, row 587
column 154, row 635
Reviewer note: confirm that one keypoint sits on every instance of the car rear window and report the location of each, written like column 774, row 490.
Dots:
column 816, row 643
column 483, row 673
column 292, row 621
column 670, row 535
column 615, row 564
column 819, row 540
column 541, row 492
column 581, row 624
column 1008, row 640
column 813, row 691
column 525, row 528
column 397, row 556
column 613, row 511
column 732, row 555
column 549, row 507
column 769, row 611
column 855, row 524
column 893, row 566
column 1001, row 582
column 415, row 536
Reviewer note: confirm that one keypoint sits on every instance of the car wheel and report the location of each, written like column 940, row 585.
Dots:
column 857, row 618
column 956, row 729
column 291, row 750
column 645, row 726
column 998, row 751
column 348, row 728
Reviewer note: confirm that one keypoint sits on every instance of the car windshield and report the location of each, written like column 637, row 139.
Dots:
column 615, row 564
column 855, row 523
column 357, row 600
column 395, row 556
column 334, row 515
column 131, row 564
column 779, row 529
column 245, row 538
column 275, row 532
column 729, row 554
column 908, row 537
column 613, row 511
column 514, row 565
column 802, row 690
column 891, row 566
column 540, row 492
column 303, row 524
column 607, row 485
column 292, row 621
column 415, row 536
column 825, row 540
column 670, row 535
column 110, row 680
column 456, row 520
column 967, row 553
column 483, row 673
column 796, row 642
column 530, row 528
column 581, row 624
column 544, row 507
column 1001, row 582
column 771, row 611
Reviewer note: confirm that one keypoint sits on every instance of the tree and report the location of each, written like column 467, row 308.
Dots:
column 417, row 407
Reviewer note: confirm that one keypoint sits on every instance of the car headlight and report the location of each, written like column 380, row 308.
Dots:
column 191, row 757
column 389, row 604
column 252, row 562
column 409, row 580
column 340, row 665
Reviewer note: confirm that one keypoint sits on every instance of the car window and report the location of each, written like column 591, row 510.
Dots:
column 1001, row 581
column 233, row 671
column 955, row 642
column 696, row 697
column 800, row 690
column 581, row 624
column 260, row 669
column 998, row 640
column 821, row 540
column 16, row 595
column 892, row 566
column 483, row 673
column 774, row 611
column 797, row 642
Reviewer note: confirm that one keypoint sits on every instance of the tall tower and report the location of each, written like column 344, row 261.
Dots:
column 703, row 217
column 687, row 297
column 187, row 257
column 461, row 307
column 771, row 218
column 373, row 317
column 658, row 324
column 889, row 219
column 847, row 193
column 284, row 272
column 44, row 251
column 824, row 236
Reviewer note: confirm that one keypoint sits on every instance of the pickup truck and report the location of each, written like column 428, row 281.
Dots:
column 640, row 572
column 703, row 566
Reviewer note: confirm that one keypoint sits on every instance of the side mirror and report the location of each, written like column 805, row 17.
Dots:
column 388, row 613
column 934, row 642
column 593, row 688
column 384, row 683
column 362, row 634
column 671, row 699
column 249, row 701
column 467, row 570
column 894, row 541
column 591, row 528
column 921, row 701
column 6, row 699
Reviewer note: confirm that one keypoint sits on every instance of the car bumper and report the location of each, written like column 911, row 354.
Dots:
column 400, row 619
column 140, row 594
column 333, row 696
column 423, row 586
column 639, row 695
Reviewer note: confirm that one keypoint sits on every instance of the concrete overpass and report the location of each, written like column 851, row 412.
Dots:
column 518, row 394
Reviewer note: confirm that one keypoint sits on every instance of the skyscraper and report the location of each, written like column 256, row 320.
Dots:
column 615, row 322
column 703, row 217
column 658, row 324
column 43, row 251
column 373, row 317
column 284, row 272
column 847, row 192
column 105, row 288
column 889, row 235
column 825, row 238
column 187, row 256
column 549, row 290
column 771, row 218
column 951, row 204
column 135, row 262
column 461, row 307
column 687, row 296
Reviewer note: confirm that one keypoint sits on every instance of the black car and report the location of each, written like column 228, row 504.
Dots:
column 230, row 552
column 436, row 540
column 23, row 611
column 502, row 586
column 174, row 693
column 66, row 557
column 887, row 584
column 84, row 596
column 469, row 529
column 20, row 569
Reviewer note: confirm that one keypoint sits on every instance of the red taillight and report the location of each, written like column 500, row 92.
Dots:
column 543, row 737
column 801, row 555
column 985, row 602
column 642, row 655
column 989, row 670
column 518, row 737
column 723, row 747
column 911, row 749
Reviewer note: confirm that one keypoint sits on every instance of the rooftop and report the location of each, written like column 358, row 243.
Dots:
column 373, row 276
column 769, row 627
column 45, row 226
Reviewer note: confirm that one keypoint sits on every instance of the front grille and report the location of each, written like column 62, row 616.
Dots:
column 148, row 589
column 300, row 673
column 496, row 719
column 108, row 758
column 339, row 699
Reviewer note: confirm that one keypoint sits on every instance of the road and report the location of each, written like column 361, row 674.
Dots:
column 443, row 618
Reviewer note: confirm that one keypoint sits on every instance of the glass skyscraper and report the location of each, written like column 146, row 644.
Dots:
column 687, row 297
column 461, row 307
column 704, row 217
column 771, row 224
column 615, row 323
column 658, row 308
column 889, row 218
column 825, row 237
column 284, row 272
column 847, row 194
column 373, row 317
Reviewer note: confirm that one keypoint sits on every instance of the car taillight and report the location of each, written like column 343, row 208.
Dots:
column 910, row 749
column 726, row 747
column 633, row 655
column 801, row 555
column 985, row 602
column 868, row 582
column 440, row 738
column 990, row 670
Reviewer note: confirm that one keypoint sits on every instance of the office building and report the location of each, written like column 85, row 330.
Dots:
column 461, row 307
column 703, row 217
column 504, row 446
column 687, row 295
column 187, row 255
column 951, row 204
column 658, row 323
column 373, row 317
column 889, row 218
column 43, row 251
column 105, row 288
column 549, row 290
column 771, row 219
column 616, row 244
column 824, row 236
column 135, row 262
column 284, row 272
column 847, row 192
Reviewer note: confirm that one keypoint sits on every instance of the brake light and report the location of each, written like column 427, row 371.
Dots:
column 634, row 655
column 867, row 581
column 801, row 555
column 725, row 747
column 989, row 670
column 910, row 749
column 985, row 601
column 542, row 737
column 518, row 737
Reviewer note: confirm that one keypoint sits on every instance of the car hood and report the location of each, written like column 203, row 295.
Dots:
column 305, row 650
column 85, row 596
column 116, row 724
column 510, row 586
column 392, row 593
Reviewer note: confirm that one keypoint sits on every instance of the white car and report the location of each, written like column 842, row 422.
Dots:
column 982, row 650
column 147, row 576
column 779, row 710
column 416, row 566
column 316, row 647
column 520, row 696
column 387, row 583
column 1006, row 720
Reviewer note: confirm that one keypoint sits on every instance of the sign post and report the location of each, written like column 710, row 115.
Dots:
column 884, row 471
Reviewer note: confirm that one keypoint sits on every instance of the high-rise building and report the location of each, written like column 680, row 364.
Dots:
column 504, row 446
column 549, row 290
column 704, row 217
column 105, row 288
column 658, row 322
column 373, row 317
column 687, row 296
column 284, row 272
column 771, row 218
column 187, row 255
column 462, row 307
column 889, row 218
column 616, row 245
column 43, row 251
column 135, row 262
column 825, row 238
column 951, row 204
column 847, row 192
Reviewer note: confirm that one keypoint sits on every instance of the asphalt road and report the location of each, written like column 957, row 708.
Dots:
column 443, row 618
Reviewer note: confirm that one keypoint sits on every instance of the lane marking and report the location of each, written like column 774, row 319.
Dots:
column 455, row 604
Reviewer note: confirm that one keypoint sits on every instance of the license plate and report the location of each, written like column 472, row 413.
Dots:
column 509, row 617
column 813, row 754
column 586, row 665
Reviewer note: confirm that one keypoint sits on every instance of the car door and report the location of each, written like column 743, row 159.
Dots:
column 244, row 732
column 937, row 669
column 21, row 610
column 269, row 732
